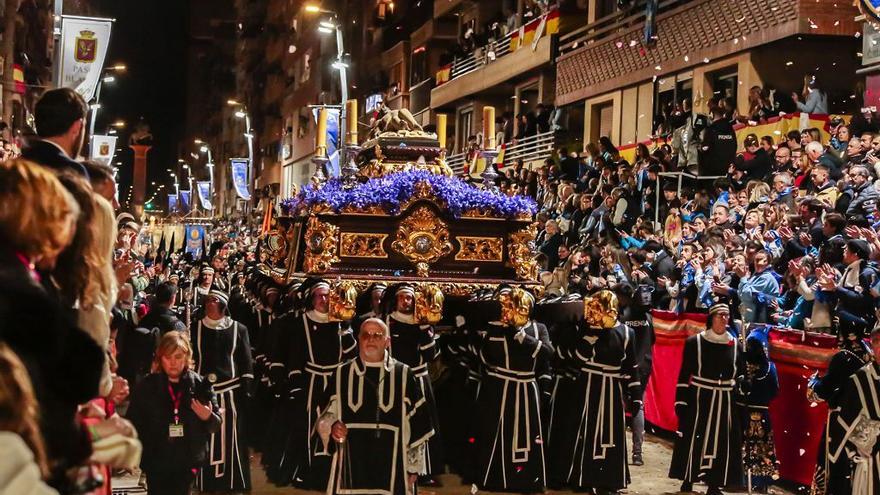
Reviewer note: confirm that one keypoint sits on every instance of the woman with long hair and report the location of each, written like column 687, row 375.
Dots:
column 24, row 456
column 37, row 222
column 175, row 411
column 609, row 151
column 812, row 98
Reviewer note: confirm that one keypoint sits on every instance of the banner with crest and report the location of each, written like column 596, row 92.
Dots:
column 103, row 149
column 84, row 42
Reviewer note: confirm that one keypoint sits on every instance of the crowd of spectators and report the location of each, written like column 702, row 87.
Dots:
column 787, row 233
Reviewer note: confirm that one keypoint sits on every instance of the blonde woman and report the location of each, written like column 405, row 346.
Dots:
column 24, row 465
column 85, row 279
column 37, row 222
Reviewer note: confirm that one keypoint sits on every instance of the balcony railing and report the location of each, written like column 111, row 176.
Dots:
column 546, row 24
column 612, row 24
column 535, row 148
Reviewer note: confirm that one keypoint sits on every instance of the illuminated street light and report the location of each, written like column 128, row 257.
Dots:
column 203, row 149
column 198, row 141
column 325, row 30
column 313, row 9
column 233, row 103
column 119, row 124
column 240, row 114
column 109, row 79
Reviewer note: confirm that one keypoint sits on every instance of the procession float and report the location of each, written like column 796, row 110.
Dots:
column 397, row 213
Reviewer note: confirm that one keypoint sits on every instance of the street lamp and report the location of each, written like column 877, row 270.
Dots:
column 327, row 26
column 242, row 113
column 107, row 78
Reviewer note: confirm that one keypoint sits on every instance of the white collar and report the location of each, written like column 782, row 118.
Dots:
column 714, row 338
column 317, row 317
column 851, row 275
column 403, row 318
column 224, row 322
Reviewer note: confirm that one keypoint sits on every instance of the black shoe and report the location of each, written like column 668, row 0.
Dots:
column 686, row 487
column 637, row 460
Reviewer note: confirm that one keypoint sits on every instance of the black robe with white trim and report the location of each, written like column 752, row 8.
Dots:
column 222, row 355
column 510, row 439
column 315, row 350
column 709, row 445
column 854, row 432
column 414, row 345
column 388, row 424
column 608, row 376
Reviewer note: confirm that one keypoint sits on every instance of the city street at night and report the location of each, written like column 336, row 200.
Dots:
column 440, row 247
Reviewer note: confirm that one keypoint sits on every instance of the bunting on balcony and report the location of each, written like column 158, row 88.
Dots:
column 443, row 75
column 18, row 79
column 545, row 25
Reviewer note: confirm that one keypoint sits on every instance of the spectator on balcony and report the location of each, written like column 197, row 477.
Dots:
column 608, row 150
column 811, row 99
column 718, row 149
column 506, row 127
column 527, row 125
column 542, row 118
column 760, row 106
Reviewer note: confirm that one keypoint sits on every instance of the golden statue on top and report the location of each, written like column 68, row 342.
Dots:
column 600, row 309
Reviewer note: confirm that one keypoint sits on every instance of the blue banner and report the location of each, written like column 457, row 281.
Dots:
column 185, row 201
column 204, row 190
column 194, row 240
column 172, row 204
column 332, row 140
column 239, row 177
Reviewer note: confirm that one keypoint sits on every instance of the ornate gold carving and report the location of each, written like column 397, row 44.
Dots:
column 520, row 252
column 374, row 210
column 422, row 238
column 516, row 306
column 600, row 309
column 321, row 243
column 429, row 304
column 275, row 243
column 343, row 301
column 480, row 249
column 362, row 245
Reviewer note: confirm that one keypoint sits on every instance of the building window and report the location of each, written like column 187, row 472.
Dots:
column 669, row 94
column 601, row 120
column 419, row 65
column 724, row 83
column 465, row 128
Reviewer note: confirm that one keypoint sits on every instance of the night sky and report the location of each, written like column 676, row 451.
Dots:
column 150, row 38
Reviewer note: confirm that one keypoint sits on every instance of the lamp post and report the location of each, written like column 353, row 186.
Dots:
column 108, row 77
column 205, row 148
column 328, row 26
column 242, row 113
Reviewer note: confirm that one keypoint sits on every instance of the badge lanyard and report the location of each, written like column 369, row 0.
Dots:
column 175, row 401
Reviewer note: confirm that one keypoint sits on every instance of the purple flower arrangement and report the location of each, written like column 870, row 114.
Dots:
column 393, row 190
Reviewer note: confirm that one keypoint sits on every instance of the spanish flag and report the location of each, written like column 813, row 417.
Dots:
column 18, row 79
column 499, row 160
column 443, row 74
column 527, row 32
column 552, row 22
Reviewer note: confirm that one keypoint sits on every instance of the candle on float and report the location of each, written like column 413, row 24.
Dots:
column 321, row 141
column 489, row 128
column 351, row 114
column 441, row 130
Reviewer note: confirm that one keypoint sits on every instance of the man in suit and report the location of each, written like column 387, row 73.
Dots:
column 60, row 118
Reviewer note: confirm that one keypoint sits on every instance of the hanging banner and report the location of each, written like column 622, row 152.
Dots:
column 103, row 149
column 84, row 42
column 650, row 30
column 195, row 240
column 172, row 204
column 239, row 177
column 332, row 140
column 185, row 201
column 204, row 190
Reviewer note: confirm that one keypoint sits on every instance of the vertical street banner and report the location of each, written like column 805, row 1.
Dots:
column 650, row 30
column 172, row 204
column 185, row 201
column 204, row 190
column 103, row 149
column 194, row 240
column 333, row 169
column 239, row 168
column 84, row 42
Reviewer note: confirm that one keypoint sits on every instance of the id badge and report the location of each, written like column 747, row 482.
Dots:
column 175, row 431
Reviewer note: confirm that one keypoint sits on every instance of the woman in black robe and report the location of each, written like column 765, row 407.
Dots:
column 708, row 447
